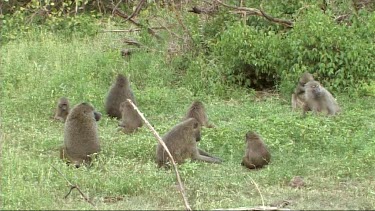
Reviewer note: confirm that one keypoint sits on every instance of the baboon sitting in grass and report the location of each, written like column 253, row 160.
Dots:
column 181, row 141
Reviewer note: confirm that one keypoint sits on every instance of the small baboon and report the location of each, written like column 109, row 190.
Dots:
column 81, row 138
column 298, row 97
column 318, row 99
column 197, row 111
column 62, row 109
column 256, row 154
column 131, row 120
column 118, row 93
column 181, row 141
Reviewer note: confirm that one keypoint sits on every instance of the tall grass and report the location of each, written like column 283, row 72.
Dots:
column 334, row 155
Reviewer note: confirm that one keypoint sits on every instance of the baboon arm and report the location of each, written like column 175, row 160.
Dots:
column 206, row 159
column 201, row 152
column 294, row 101
column 247, row 163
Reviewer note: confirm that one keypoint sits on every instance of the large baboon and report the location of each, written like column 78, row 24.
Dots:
column 318, row 99
column 62, row 109
column 256, row 153
column 197, row 111
column 118, row 93
column 131, row 120
column 181, row 141
column 298, row 97
column 81, row 138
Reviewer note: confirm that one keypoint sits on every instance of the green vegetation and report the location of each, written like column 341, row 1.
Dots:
column 335, row 155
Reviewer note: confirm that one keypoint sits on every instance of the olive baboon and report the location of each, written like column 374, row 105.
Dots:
column 118, row 93
column 81, row 138
column 256, row 154
column 298, row 97
column 197, row 111
column 62, row 109
column 181, row 141
column 131, row 120
column 318, row 99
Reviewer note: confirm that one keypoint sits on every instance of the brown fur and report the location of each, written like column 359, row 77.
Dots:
column 81, row 138
column 198, row 111
column 62, row 109
column 118, row 93
column 256, row 154
column 298, row 97
column 131, row 120
column 181, row 141
column 318, row 99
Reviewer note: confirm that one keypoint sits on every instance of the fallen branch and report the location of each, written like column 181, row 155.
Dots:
column 253, row 11
column 137, row 9
column 160, row 140
column 130, row 30
column 74, row 187
column 127, row 18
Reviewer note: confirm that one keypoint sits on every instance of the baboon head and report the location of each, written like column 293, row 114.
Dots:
column 197, row 104
column 84, row 111
column 192, row 126
column 121, row 80
column 314, row 87
column 306, row 77
column 64, row 104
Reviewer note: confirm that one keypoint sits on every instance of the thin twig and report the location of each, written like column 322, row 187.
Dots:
column 137, row 9
column 74, row 186
column 260, row 193
column 160, row 140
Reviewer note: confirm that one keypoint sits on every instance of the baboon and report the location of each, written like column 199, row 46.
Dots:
column 181, row 141
column 318, row 99
column 197, row 111
column 62, row 109
column 256, row 154
column 118, row 93
column 81, row 138
column 131, row 120
column 298, row 97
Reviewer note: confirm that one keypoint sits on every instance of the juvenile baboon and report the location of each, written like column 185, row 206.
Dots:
column 118, row 93
column 81, row 138
column 131, row 120
column 256, row 154
column 181, row 141
column 197, row 111
column 298, row 97
column 318, row 99
column 62, row 109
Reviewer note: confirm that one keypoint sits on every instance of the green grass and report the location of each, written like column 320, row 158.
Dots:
column 335, row 155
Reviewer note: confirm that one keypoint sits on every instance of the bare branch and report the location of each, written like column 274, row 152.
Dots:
column 160, row 140
column 253, row 11
column 126, row 17
column 137, row 9
column 73, row 187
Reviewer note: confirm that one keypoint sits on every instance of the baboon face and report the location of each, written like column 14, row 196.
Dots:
column 97, row 115
column 314, row 87
column 121, row 80
column 197, row 131
column 63, row 104
column 251, row 136
column 197, row 105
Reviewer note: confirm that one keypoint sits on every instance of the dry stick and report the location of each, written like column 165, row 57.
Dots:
column 137, row 9
column 178, row 16
column 256, row 185
column 74, row 186
column 160, row 140
column 126, row 17
column 261, row 13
